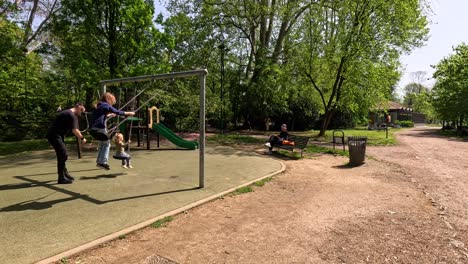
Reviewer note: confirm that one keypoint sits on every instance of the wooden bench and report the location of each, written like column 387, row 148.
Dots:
column 300, row 142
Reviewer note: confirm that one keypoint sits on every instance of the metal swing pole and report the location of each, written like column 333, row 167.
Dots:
column 201, row 140
column 202, row 75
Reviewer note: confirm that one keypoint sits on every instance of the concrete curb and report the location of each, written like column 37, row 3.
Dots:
column 148, row 222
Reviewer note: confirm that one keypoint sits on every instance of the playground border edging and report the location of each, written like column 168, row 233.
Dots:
column 148, row 222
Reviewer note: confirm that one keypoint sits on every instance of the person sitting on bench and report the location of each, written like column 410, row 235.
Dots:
column 274, row 140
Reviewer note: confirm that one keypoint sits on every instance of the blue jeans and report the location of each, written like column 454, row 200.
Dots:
column 103, row 152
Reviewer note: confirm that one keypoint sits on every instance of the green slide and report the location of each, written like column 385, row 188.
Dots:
column 167, row 133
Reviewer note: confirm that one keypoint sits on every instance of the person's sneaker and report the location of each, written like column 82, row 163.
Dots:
column 124, row 166
column 103, row 166
column 268, row 144
column 130, row 166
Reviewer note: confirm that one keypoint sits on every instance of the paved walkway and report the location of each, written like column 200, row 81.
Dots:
column 40, row 218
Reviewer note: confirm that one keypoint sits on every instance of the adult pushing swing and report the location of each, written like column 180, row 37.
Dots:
column 64, row 122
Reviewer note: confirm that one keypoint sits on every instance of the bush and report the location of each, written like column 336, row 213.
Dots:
column 405, row 123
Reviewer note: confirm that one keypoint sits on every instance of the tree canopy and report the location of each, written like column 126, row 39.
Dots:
column 451, row 88
column 294, row 62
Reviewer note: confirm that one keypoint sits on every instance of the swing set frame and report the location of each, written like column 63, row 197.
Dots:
column 201, row 74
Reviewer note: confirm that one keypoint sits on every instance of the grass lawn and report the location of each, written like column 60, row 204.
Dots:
column 374, row 137
column 229, row 139
column 11, row 148
column 319, row 149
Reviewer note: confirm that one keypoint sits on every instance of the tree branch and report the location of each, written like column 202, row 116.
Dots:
column 317, row 88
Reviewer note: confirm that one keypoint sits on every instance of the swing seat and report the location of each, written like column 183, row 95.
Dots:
column 119, row 157
column 99, row 134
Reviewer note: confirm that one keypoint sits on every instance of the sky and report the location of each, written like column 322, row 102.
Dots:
column 447, row 29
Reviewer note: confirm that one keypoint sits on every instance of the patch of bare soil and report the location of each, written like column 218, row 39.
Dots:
column 318, row 211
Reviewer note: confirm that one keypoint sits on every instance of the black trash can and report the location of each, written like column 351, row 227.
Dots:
column 357, row 150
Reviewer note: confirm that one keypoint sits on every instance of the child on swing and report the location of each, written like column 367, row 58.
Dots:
column 120, row 150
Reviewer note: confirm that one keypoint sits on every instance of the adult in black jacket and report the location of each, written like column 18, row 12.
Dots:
column 273, row 140
column 65, row 121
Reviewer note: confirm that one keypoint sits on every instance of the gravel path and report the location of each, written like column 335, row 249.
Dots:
column 408, row 204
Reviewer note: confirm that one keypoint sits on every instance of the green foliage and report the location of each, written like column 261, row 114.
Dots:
column 162, row 222
column 374, row 137
column 288, row 154
column 261, row 183
column 258, row 83
column 311, row 148
column 451, row 89
column 419, row 97
column 242, row 190
column 287, row 61
column 404, row 123
column 107, row 39
column 26, row 102
column 350, row 49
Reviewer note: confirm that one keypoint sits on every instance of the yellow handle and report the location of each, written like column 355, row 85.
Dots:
column 150, row 115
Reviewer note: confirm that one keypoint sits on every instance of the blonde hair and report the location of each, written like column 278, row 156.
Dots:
column 118, row 137
column 109, row 98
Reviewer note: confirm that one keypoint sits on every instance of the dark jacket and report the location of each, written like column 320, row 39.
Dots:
column 64, row 122
column 98, row 119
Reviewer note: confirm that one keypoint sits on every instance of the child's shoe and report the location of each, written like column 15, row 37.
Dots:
column 130, row 166
column 124, row 166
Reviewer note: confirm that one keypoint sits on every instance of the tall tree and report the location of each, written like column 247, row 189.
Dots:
column 24, row 97
column 108, row 39
column 451, row 88
column 34, row 17
column 256, row 32
column 349, row 42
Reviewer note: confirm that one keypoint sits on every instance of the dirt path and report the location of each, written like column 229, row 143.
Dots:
column 318, row 211
column 438, row 165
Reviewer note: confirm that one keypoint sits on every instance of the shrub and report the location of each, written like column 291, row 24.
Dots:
column 405, row 123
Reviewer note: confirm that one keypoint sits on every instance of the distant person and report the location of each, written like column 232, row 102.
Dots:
column 98, row 128
column 277, row 140
column 120, row 151
column 64, row 122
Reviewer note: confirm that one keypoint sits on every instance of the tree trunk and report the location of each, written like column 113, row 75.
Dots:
column 89, row 98
column 326, row 121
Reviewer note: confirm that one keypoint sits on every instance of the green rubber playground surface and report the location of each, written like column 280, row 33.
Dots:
column 39, row 218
